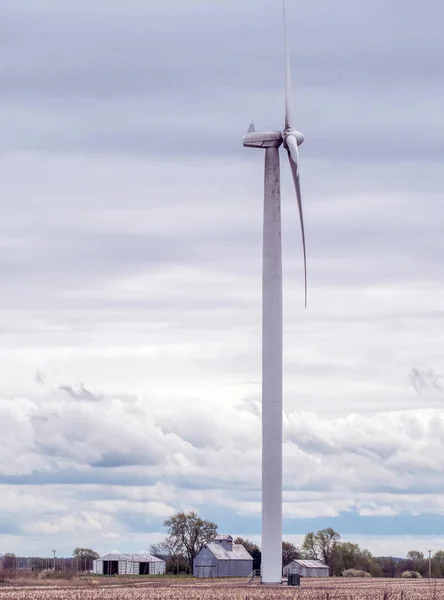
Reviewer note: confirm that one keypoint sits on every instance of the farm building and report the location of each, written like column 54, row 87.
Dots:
column 129, row 564
column 307, row 568
column 222, row 558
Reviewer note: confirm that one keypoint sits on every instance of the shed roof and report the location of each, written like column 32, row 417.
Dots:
column 310, row 564
column 238, row 552
column 132, row 557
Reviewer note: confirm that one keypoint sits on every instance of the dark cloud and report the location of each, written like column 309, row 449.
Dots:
column 80, row 394
column 141, row 82
column 426, row 379
column 124, row 458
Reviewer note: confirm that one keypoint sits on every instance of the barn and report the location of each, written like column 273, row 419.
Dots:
column 307, row 568
column 129, row 564
column 223, row 558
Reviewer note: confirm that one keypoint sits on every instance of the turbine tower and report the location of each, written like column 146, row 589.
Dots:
column 272, row 323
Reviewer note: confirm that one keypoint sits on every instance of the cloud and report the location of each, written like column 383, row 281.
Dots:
column 426, row 379
column 130, row 266
column 80, row 394
column 344, row 471
column 386, row 464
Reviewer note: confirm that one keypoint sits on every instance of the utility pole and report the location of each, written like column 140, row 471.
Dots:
column 54, row 552
column 430, row 564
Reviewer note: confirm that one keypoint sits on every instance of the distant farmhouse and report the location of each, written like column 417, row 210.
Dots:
column 223, row 558
column 129, row 564
column 307, row 568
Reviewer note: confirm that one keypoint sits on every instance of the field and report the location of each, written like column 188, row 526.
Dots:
column 172, row 589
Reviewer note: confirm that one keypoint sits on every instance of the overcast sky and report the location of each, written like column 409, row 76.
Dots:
column 130, row 270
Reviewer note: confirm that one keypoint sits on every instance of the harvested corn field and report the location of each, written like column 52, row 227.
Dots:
column 315, row 589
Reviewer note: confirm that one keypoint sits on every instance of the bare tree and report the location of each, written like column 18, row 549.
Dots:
column 10, row 560
column 171, row 549
column 191, row 531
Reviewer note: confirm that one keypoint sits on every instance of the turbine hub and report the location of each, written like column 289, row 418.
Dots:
column 297, row 134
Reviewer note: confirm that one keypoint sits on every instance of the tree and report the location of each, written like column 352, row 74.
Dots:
column 387, row 565
column 85, row 557
column 289, row 553
column 172, row 551
column 366, row 562
column 415, row 556
column 10, row 560
column 415, row 560
column 438, row 562
column 309, row 546
column 191, row 531
column 348, row 556
column 252, row 549
column 321, row 545
column 85, row 553
column 327, row 540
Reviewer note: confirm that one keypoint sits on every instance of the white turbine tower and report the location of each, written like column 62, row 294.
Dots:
column 272, row 325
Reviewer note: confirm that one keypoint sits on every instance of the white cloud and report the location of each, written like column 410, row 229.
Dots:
column 150, row 465
column 131, row 255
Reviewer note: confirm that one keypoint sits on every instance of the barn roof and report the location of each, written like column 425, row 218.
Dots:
column 132, row 557
column 238, row 552
column 310, row 564
column 222, row 537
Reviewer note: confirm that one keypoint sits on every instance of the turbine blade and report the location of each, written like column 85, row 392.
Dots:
column 292, row 147
column 288, row 89
column 297, row 186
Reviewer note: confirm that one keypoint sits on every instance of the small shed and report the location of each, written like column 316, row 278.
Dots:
column 129, row 564
column 223, row 558
column 307, row 568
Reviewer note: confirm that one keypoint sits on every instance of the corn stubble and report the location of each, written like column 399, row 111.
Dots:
column 314, row 589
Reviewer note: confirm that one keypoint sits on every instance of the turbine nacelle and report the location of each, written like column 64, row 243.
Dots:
column 267, row 139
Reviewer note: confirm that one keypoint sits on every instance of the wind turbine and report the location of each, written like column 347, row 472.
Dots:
column 272, row 323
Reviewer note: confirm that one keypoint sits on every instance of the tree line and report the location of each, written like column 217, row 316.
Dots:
column 187, row 534
column 82, row 560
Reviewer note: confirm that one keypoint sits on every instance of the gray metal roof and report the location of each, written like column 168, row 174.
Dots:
column 132, row 557
column 221, row 536
column 237, row 553
column 310, row 564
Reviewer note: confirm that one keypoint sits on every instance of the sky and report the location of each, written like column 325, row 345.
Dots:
column 130, row 270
